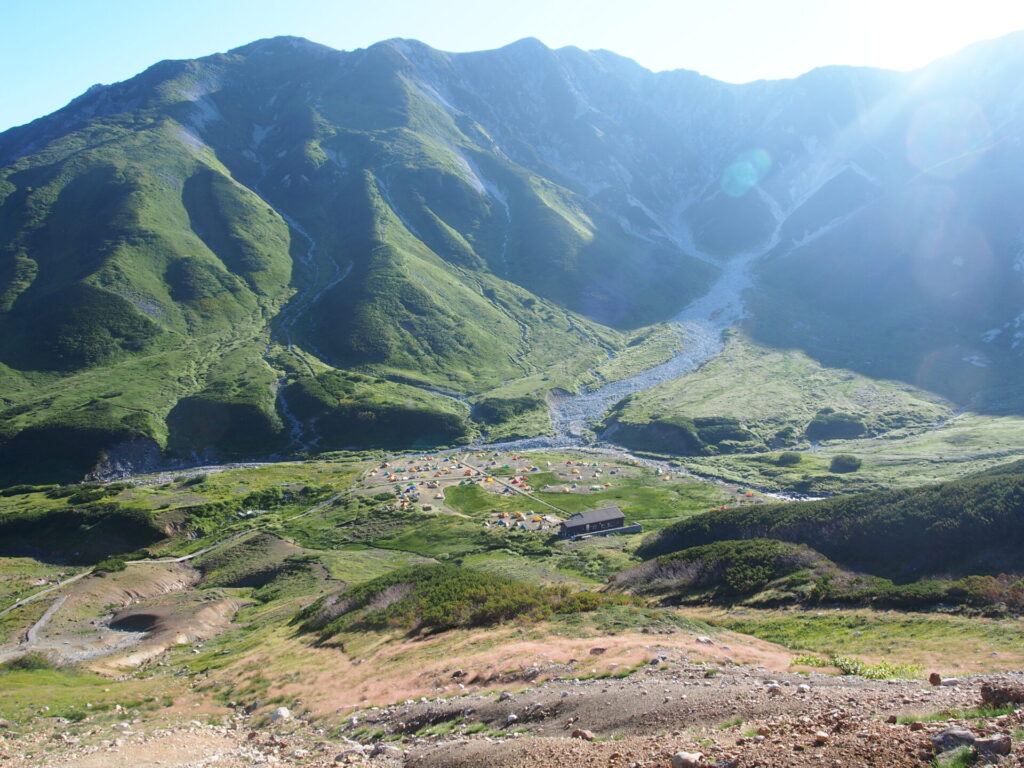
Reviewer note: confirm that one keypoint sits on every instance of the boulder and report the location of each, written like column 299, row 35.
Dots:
column 952, row 738
column 350, row 754
column 1002, row 694
column 582, row 733
column 385, row 749
column 687, row 759
column 280, row 714
column 935, row 678
column 1000, row 744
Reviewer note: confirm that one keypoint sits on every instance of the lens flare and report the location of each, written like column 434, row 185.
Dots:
column 946, row 138
column 745, row 172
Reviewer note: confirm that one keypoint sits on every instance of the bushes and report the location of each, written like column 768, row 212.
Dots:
column 495, row 410
column 30, row 662
column 81, row 326
column 347, row 410
column 205, row 519
column 966, row 526
column 81, row 534
column 20, row 490
column 788, row 459
column 843, row 463
column 110, row 565
column 684, row 436
column 434, row 598
column 726, row 568
column 829, row 425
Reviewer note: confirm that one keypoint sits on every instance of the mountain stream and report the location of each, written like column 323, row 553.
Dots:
column 701, row 324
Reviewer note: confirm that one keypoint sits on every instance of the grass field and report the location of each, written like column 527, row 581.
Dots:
column 965, row 445
column 912, row 437
column 939, row 642
column 774, row 390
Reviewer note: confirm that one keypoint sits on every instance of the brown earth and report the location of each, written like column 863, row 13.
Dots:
column 334, row 679
column 77, row 627
column 738, row 717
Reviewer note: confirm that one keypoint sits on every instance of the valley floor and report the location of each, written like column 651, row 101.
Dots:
column 192, row 657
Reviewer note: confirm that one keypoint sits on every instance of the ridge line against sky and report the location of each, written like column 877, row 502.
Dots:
column 56, row 49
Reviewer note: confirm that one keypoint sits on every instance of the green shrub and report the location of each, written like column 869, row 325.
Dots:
column 29, row 662
column 18, row 490
column 962, row 527
column 437, row 597
column 80, row 534
column 829, row 425
column 843, row 463
column 494, row 410
column 729, row 568
column 788, row 459
column 110, row 565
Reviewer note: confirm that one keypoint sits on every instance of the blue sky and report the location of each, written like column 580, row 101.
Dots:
column 55, row 49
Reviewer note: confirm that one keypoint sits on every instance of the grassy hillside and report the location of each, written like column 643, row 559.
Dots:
column 433, row 598
column 168, row 267
column 971, row 526
column 961, row 447
column 755, row 398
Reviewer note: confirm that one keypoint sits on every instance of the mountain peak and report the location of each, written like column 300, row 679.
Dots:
column 281, row 44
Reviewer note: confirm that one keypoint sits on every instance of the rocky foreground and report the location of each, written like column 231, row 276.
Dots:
column 677, row 714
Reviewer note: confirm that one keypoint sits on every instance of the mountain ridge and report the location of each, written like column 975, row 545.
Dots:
column 408, row 225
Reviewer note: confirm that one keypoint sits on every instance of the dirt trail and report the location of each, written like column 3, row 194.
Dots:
column 43, row 592
column 32, row 636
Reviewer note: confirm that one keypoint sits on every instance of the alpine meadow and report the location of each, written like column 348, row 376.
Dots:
column 397, row 407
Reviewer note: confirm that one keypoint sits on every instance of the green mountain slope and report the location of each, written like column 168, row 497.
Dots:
column 188, row 257
column 964, row 527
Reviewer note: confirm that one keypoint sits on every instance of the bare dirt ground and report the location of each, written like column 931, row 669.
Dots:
column 333, row 679
column 191, row 744
column 737, row 716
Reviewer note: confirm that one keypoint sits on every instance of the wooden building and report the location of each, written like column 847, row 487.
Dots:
column 593, row 521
